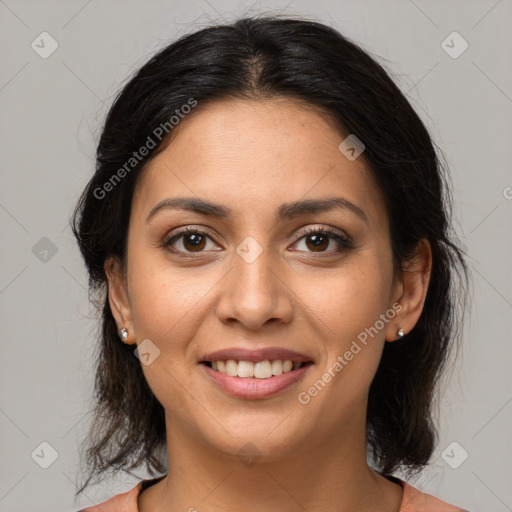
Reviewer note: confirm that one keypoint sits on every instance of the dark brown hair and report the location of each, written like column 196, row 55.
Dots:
column 262, row 57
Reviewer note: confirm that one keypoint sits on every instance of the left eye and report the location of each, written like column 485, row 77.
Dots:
column 318, row 240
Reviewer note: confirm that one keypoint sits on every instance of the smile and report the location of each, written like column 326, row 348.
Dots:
column 259, row 369
column 255, row 380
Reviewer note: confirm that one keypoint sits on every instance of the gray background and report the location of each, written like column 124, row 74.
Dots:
column 52, row 111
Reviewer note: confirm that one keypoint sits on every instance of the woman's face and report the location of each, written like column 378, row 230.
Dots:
column 254, row 280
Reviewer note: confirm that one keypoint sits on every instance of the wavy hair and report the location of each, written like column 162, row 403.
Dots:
column 255, row 58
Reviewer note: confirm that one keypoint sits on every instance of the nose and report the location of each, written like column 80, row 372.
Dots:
column 254, row 294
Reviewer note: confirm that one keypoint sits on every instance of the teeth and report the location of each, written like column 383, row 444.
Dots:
column 260, row 370
column 231, row 368
column 245, row 369
column 277, row 367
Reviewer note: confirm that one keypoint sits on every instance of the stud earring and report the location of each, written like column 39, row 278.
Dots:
column 400, row 333
column 123, row 334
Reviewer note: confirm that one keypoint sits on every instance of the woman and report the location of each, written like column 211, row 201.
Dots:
column 268, row 229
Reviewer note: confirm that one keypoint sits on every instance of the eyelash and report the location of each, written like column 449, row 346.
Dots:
column 344, row 242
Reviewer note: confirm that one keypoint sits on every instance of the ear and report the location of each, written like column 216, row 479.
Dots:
column 412, row 291
column 118, row 297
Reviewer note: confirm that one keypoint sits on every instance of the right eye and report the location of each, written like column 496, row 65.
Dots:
column 191, row 240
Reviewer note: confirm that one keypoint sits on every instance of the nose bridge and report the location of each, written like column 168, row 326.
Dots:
column 254, row 294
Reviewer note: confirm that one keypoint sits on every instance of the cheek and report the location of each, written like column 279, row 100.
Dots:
column 351, row 309
column 165, row 301
column 350, row 301
column 167, row 306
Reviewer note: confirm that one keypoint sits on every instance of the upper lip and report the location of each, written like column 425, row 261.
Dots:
column 254, row 355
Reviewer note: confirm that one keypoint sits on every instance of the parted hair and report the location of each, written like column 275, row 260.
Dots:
column 259, row 57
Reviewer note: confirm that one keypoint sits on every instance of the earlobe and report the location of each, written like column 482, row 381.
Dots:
column 415, row 282
column 118, row 300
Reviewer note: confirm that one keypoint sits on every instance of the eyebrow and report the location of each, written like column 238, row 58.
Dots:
column 285, row 211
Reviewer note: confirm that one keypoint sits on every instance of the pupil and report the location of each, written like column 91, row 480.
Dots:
column 194, row 237
column 194, row 240
column 318, row 241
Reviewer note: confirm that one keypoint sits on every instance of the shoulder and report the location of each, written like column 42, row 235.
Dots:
column 416, row 501
column 124, row 502
column 413, row 500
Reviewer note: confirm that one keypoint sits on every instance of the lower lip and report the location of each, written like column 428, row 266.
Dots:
column 253, row 388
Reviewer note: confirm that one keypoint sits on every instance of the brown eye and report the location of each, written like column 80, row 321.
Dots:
column 188, row 241
column 194, row 241
column 317, row 242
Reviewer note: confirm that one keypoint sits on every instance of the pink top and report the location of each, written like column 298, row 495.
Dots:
column 413, row 500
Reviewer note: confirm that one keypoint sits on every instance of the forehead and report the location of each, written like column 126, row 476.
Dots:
column 253, row 156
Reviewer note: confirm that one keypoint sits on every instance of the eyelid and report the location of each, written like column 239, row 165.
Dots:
column 321, row 228
column 191, row 228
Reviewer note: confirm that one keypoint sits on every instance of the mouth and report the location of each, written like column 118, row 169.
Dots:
column 265, row 369
column 250, row 386
column 255, row 374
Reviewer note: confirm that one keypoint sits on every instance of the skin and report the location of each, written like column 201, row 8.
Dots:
column 253, row 156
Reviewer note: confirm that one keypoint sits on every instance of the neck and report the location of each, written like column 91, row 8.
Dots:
column 317, row 476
